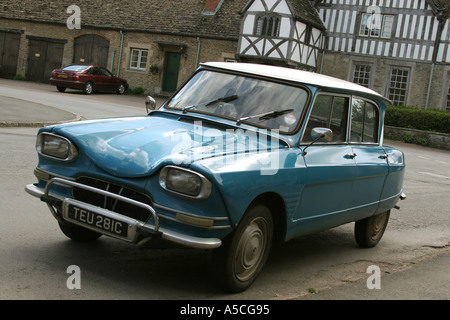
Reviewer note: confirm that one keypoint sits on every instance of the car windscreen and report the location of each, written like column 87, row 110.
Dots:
column 244, row 99
column 76, row 68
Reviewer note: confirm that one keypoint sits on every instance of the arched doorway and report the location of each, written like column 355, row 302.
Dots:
column 91, row 49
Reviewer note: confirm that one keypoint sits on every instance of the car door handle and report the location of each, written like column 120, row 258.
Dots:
column 350, row 155
column 384, row 156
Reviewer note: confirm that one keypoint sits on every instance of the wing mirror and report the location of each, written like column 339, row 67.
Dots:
column 324, row 134
column 150, row 104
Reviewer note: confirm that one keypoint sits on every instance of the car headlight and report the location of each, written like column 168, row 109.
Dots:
column 55, row 147
column 185, row 182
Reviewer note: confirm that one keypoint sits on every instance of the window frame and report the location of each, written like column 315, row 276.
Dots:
column 267, row 25
column 139, row 60
column 358, row 64
column 348, row 118
column 381, row 31
column 389, row 86
column 350, row 123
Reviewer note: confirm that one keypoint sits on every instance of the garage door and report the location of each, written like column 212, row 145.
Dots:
column 44, row 55
column 91, row 49
column 9, row 54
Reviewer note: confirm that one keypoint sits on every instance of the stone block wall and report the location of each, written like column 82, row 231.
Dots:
column 341, row 66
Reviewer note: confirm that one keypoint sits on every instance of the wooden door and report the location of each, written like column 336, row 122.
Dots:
column 43, row 57
column 91, row 49
column 9, row 54
column 171, row 71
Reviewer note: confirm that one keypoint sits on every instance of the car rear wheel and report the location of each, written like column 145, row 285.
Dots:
column 121, row 88
column 61, row 89
column 77, row 233
column 243, row 254
column 368, row 232
column 88, row 88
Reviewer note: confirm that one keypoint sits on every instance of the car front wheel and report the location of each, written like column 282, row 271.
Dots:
column 88, row 88
column 243, row 254
column 368, row 232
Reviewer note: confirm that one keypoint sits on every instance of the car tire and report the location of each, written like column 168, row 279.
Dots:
column 121, row 88
column 368, row 232
column 88, row 88
column 77, row 233
column 244, row 252
column 61, row 89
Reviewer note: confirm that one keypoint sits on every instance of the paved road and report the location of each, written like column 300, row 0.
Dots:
column 413, row 256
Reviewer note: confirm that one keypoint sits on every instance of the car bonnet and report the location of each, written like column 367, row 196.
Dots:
column 137, row 146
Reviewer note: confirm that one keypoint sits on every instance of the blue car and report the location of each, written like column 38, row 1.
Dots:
column 240, row 157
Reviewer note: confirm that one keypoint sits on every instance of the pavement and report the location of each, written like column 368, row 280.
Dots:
column 16, row 112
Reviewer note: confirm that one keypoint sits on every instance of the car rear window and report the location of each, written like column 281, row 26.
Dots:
column 76, row 68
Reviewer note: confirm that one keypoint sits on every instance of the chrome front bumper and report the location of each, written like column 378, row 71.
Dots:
column 138, row 232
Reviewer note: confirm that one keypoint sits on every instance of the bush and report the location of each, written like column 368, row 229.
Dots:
column 19, row 77
column 138, row 91
column 420, row 119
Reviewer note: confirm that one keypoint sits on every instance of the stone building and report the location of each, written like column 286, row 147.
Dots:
column 153, row 44
column 399, row 48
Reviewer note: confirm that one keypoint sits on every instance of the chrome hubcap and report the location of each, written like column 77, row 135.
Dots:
column 378, row 224
column 251, row 248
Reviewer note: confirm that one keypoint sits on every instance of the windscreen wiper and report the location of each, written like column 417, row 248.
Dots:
column 223, row 99
column 265, row 116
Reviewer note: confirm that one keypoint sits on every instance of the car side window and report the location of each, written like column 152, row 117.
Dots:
column 365, row 120
column 331, row 112
column 94, row 71
column 104, row 72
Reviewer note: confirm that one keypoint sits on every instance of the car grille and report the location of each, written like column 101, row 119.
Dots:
column 111, row 204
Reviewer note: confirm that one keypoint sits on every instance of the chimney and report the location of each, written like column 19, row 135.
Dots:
column 212, row 6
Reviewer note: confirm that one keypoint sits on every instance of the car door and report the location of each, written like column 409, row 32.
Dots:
column 108, row 80
column 331, row 167
column 370, row 157
column 96, row 78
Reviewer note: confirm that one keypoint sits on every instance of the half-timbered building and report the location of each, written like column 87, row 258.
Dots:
column 400, row 48
column 281, row 32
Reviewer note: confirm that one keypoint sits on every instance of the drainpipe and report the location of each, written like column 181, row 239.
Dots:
column 120, row 53
column 427, row 101
column 437, row 42
column 198, row 52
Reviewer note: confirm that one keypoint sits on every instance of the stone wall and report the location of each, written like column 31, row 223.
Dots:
column 194, row 50
column 341, row 66
column 431, row 139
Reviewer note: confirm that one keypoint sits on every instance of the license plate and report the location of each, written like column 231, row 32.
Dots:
column 62, row 76
column 98, row 221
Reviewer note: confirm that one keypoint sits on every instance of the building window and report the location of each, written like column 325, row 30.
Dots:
column 376, row 25
column 267, row 26
column 398, row 86
column 362, row 74
column 138, row 59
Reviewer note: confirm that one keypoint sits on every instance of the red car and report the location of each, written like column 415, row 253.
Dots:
column 88, row 78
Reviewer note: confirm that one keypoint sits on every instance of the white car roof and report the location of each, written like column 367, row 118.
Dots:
column 294, row 75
